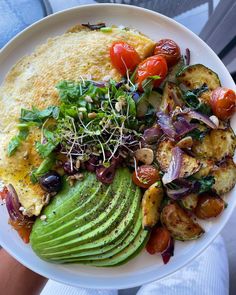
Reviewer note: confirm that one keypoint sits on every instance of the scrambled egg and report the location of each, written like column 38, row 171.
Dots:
column 31, row 82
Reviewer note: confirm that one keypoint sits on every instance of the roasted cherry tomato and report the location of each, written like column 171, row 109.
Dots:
column 152, row 66
column 124, row 57
column 23, row 229
column 3, row 193
column 169, row 50
column 209, row 206
column 223, row 102
column 159, row 240
column 145, row 176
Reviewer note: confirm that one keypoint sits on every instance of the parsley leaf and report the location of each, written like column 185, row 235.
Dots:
column 44, row 167
column 13, row 145
column 206, row 183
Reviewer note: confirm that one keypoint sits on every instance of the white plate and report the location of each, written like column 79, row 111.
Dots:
column 144, row 268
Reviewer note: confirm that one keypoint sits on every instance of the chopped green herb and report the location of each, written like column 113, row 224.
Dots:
column 44, row 167
column 106, row 29
column 206, row 183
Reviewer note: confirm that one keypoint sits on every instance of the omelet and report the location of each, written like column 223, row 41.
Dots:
column 79, row 52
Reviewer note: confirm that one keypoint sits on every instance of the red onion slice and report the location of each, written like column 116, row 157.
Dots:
column 182, row 126
column 168, row 252
column 151, row 135
column 187, row 56
column 174, row 167
column 165, row 122
column 13, row 204
column 197, row 116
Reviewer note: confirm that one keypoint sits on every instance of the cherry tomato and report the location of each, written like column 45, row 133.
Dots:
column 3, row 193
column 209, row 206
column 169, row 50
column 145, row 176
column 152, row 66
column 23, row 229
column 159, row 240
column 223, row 102
column 124, row 57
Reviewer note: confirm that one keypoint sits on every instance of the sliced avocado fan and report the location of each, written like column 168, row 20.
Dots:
column 92, row 223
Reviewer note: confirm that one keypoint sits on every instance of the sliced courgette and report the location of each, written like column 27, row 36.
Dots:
column 190, row 202
column 179, row 224
column 151, row 204
column 171, row 97
column 195, row 76
column 225, row 177
column 175, row 70
column 216, row 145
column 189, row 166
column 152, row 100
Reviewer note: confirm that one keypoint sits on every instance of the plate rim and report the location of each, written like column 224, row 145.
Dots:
column 48, row 273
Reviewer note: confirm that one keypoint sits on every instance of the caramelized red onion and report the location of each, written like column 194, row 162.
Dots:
column 174, row 167
column 165, row 122
column 182, row 126
column 168, row 252
column 151, row 135
column 187, row 56
column 13, row 205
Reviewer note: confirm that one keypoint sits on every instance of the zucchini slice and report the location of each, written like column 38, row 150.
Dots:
column 216, row 145
column 225, row 177
column 150, row 205
column 189, row 166
column 171, row 97
column 195, row 76
column 175, row 70
column 179, row 224
column 190, row 202
column 153, row 100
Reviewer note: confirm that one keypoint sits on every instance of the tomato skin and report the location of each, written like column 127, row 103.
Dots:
column 223, row 102
column 146, row 175
column 124, row 56
column 209, row 206
column 23, row 229
column 158, row 241
column 169, row 50
column 153, row 65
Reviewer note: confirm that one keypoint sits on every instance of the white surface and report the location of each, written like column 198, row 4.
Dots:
column 144, row 268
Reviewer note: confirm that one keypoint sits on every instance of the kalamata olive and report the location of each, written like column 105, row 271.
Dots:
column 50, row 182
column 92, row 163
column 106, row 175
column 151, row 135
column 68, row 169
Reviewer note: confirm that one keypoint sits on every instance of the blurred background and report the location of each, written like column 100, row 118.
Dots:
column 212, row 20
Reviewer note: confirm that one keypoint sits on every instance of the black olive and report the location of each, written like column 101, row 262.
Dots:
column 50, row 182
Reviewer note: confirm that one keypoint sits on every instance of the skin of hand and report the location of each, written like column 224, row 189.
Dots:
column 17, row 279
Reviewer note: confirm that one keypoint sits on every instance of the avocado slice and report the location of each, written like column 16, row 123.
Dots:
column 92, row 223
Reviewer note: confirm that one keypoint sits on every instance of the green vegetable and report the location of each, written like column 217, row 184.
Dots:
column 190, row 97
column 206, row 183
column 106, row 29
column 197, row 134
column 16, row 141
column 44, row 167
column 92, row 223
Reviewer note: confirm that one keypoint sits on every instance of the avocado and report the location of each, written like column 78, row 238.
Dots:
column 92, row 223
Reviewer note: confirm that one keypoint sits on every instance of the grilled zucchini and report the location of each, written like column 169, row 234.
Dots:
column 195, row 76
column 179, row 224
column 171, row 97
column 206, row 167
column 189, row 166
column 216, row 145
column 143, row 104
column 225, row 177
column 150, row 205
column 190, row 202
